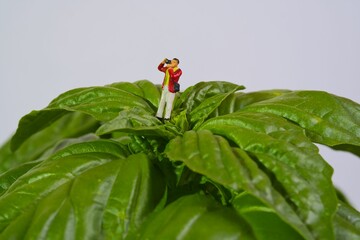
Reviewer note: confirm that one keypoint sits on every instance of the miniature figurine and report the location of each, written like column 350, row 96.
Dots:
column 169, row 86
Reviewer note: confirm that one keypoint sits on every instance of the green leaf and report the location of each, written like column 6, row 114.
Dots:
column 99, row 146
column 204, row 109
column 142, row 88
column 263, row 220
column 151, row 92
column 128, row 87
column 32, row 123
column 251, row 164
column 69, row 126
column 182, row 121
column 196, row 217
column 85, row 191
column 347, row 222
column 66, row 143
column 136, row 192
column 136, row 121
column 237, row 101
column 328, row 119
column 288, row 157
column 9, row 177
column 28, row 191
column 267, row 124
column 289, row 168
column 213, row 157
column 195, row 95
column 102, row 103
column 22, row 222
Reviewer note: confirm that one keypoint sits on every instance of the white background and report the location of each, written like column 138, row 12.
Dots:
column 48, row 47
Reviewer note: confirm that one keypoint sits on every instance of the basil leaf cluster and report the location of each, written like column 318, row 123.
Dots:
column 97, row 164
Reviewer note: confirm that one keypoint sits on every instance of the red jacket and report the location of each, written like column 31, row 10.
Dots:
column 174, row 76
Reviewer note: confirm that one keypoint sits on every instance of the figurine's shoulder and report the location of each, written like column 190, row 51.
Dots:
column 177, row 69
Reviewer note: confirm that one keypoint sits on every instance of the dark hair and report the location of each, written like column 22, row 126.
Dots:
column 176, row 60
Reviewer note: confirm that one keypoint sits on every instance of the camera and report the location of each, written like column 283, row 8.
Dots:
column 167, row 61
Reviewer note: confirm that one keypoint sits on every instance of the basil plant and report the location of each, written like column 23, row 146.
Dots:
column 97, row 164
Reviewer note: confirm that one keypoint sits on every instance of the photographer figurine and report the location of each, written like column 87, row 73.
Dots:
column 170, row 86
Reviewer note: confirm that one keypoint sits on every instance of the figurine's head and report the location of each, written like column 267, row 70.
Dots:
column 175, row 62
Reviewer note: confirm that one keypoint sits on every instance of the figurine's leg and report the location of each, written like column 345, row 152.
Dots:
column 169, row 104
column 160, row 110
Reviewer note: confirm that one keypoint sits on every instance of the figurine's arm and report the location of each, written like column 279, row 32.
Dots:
column 161, row 67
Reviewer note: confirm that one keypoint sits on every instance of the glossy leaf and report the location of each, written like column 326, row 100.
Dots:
column 9, row 177
column 128, row 87
column 135, row 193
column 239, row 100
column 136, row 121
column 99, row 146
column 68, row 142
column 209, row 105
column 195, row 95
column 293, row 166
column 347, row 222
column 263, row 220
column 70, row 126
column 182, row 121
column 142, row 88
column 267, row 124
column 196, row 217
column 106, row 168
column 328, row 119
column 213, row 157
column 151, row 92
column 80, row 193
column 102, row 103
column 32, row 123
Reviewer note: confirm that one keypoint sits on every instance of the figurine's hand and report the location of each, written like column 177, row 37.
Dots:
column 163, row 61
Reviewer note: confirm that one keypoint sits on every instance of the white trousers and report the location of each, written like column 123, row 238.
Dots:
column 166, row 102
